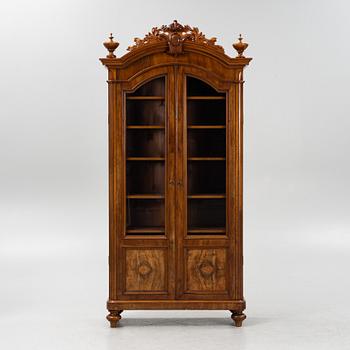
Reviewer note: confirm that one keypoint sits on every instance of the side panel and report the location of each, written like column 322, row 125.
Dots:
column 114, row 127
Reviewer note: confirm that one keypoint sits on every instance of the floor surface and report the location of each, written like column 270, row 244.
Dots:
column 60, row 305
column 54, row 287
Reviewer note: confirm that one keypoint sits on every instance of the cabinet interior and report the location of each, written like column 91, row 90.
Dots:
column 145, row 159
column 206, row 159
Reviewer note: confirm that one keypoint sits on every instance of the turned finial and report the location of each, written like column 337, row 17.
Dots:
column 240, row 46
column 111, row 46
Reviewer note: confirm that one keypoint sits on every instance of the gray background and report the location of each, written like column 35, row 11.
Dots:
column 53, row 175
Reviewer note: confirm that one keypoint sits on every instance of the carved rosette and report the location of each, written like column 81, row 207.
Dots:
column 175, row 35
column 206, row 269
column 144, row 269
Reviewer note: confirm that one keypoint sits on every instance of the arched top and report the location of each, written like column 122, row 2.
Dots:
column 150, row 87
column 197, row 86
column 175, row 34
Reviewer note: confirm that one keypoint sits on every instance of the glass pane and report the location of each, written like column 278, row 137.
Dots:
column 145, row 159
column 154, row 87
column 145, row 213
column 206, row 112
column 206, row 177
column 206, row 213
column 145, row 112
column 206, row 143
column 206, row 165
column 197, row 87
column 145, row 177
column 145, row 143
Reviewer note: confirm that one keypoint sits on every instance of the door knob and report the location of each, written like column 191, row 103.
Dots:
column 179, row 183
column 172, row 182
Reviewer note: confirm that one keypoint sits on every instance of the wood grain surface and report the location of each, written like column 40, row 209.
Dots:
column 145, row 270
column 176, row 263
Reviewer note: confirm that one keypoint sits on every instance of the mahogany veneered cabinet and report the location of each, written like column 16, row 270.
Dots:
column 175, row 174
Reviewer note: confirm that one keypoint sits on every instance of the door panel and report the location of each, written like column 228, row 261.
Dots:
column 203, row 241
column 205, row 270
column 147, row 270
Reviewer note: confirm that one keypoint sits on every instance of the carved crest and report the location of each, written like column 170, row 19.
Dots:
column 175, row 35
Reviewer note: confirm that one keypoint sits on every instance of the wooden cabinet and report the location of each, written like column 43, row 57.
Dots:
column 175, row 174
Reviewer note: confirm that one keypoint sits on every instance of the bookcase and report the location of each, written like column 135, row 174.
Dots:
column 175, row 116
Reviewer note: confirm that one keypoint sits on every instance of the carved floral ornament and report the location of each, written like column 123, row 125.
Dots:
column 175, row 34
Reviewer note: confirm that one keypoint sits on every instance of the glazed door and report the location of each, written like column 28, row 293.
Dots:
column 146, row 238
column 204, row 234
column 177, row 232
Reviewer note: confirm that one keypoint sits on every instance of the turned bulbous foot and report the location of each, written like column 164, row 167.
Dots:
column 113, row 317
column 238, row 317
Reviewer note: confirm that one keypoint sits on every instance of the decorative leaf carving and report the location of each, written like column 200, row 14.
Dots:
column 175, row 35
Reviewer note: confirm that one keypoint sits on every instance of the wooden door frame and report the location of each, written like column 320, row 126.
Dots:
column 118, row 178
column 183, row 241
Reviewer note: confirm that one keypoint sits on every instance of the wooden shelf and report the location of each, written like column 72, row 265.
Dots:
column 139, row 230
column 145, row 196
column 206, row 126
column 145, row 97
column 207, row 230
column 145, row 158
column 145, row 127
column 206, row 97
column 206, row 196
column 206, row 158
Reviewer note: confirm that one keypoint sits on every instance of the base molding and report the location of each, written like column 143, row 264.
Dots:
column 237, row 305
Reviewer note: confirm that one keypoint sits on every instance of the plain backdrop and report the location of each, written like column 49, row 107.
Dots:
column 53, row 175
